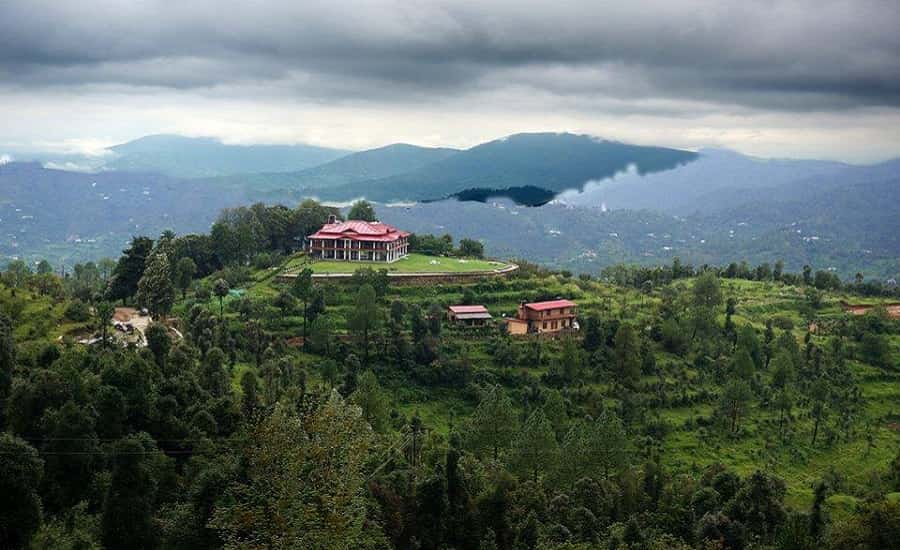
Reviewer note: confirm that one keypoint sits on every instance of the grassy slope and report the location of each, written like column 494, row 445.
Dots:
column 685, row 448
column 413, row 263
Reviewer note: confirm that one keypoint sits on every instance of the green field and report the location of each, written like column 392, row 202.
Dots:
column 413, row 263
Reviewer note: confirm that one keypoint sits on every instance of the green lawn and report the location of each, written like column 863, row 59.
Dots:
column 414, row 263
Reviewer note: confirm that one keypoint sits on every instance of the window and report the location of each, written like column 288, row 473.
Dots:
column 545, row 324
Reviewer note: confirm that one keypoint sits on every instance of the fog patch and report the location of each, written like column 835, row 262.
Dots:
column 593, row 192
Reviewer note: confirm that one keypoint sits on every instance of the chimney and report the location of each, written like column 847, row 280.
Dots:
column 332, row 218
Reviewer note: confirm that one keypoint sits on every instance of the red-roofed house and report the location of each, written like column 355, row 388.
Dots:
column 356, row 240
column 470, row 316
column 541, row 317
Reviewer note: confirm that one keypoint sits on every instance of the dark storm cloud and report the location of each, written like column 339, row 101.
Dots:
column 798, row 55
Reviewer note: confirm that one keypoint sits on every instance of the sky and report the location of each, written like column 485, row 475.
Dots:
column 802, row 78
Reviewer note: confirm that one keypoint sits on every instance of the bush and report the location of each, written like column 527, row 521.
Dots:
column 782, row 322
column 77, row 311
column 233, row 275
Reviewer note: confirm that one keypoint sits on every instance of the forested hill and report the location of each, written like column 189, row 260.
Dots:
column 366, row 165
column 554, row 162
column 180, row 156
column 696, row 408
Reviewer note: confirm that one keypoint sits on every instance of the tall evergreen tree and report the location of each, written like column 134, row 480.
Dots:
column 130, row 268
column 364, row 320
column 127, row 520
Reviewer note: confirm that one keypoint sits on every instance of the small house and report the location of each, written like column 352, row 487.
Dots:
column 552, row 316
column 468, row 316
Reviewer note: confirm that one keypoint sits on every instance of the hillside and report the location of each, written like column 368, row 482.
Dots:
column 185, row 157
column 718, row 179
column 361, row 166
column 680, row 406
column 719, row 208
column 554, row 162
column 72, row 216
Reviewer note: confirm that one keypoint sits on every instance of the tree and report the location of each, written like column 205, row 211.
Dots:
column 7, row 362
column 159, row 342
column 555, row 410
column 362, row 210
column 304, row 481
column 778, row 271
column 535, row 448
column 782, row 369
column 21, row 471
column 213, row 377
column 127, row 520
column 628, row 356
column 817, row 515
column 155, row 289
column 734, row 400
column 706, row 296
column 807, row 275
column 185, row 270
column 748, row 340
column 371, row 399
column 130, row 268
column 75, row 529
column 103, row 313
column 302, row 289
column 220, row 289
column 71, row 452
column 742, row 365
column 818, row 397
column 759, row 505
column 470, row 248
column 493, row 424
column 16, row 275
column 594, row 448
column 249, row 393
column 364, row 319
column 876, row 350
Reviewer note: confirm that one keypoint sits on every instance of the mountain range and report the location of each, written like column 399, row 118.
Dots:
column 608, row 201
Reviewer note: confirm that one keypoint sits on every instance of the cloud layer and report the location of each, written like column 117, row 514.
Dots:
column 788, row 73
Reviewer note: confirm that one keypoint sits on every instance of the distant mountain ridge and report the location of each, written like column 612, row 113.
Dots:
column 366, row 165
column 186, row 157
column 550, row 161
column 609, row 202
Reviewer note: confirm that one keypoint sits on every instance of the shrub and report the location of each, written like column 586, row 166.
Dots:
column 77, row 311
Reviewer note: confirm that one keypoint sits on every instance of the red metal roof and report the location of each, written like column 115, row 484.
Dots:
column 359, row 230
column 553, row 304
column 468, row 309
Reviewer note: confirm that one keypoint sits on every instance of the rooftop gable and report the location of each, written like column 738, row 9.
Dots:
column 468, row 309
column 552, row 304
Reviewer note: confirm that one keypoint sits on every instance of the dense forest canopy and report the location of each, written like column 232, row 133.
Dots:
column 697, row 407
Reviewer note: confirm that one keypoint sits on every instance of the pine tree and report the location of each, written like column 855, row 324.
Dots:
column 535, row 449
column 155, row 289
column 364, row 319
column 628, row 357
column 493, row 424
column 371, row 399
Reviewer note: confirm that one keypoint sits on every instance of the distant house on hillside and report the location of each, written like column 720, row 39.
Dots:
column 469, row 316
column 544, row 317
column 356, row 240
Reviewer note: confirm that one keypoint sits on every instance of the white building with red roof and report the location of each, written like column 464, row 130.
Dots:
column 358, row 241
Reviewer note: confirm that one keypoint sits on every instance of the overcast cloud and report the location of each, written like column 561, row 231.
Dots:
column 811, row 78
